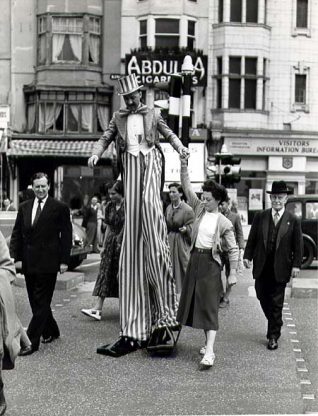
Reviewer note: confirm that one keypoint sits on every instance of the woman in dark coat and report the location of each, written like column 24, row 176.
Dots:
column 179, row 216
column 202, row 288
column 106, row 285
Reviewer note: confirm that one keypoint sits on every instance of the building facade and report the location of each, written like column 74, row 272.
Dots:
column 255, row 77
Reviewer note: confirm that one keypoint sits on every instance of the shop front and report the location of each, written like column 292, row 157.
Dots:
column 65, row 162
column 269, row 158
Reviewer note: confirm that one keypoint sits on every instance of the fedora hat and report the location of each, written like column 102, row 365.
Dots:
column 279, row 187
column 128, row 84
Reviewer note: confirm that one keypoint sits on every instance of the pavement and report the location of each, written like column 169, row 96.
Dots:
column 68, row 378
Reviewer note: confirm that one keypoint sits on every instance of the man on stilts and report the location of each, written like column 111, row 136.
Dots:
column 147, row 294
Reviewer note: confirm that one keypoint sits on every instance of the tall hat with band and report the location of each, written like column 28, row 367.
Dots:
column 279, row 187
column 128, row 84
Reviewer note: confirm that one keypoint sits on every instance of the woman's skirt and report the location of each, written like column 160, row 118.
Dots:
column 201, row 292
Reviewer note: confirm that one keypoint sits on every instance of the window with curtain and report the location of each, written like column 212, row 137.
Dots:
column 235, row 82
column 75, row 40
column 302, row 14
column 167, row 33
column 143, row 33
column 67, row 36
column 250, row 83
column 68, row 112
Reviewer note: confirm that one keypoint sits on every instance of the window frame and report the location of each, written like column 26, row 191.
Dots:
column 166, row 34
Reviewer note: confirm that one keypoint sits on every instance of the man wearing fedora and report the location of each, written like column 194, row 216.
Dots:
column 275, row 246
column 147, row 294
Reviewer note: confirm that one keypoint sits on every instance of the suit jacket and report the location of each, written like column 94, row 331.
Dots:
column 89, row 215
column 289, row 245
column 45, row 246
column 117, row 131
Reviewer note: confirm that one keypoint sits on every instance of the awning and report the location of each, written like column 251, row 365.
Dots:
column 60, row 148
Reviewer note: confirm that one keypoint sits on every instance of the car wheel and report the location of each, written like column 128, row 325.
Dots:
column 74, row 262
column 308, row 254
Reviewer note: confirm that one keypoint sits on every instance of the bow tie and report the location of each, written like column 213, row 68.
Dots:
column 124, row 112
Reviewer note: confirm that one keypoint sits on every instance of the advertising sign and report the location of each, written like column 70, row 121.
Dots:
column 278, row 146
column 151, row 68
column 255, row 202
column 196, row 163
column 4, row 116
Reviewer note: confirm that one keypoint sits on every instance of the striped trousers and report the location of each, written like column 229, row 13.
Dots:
column 147, row 293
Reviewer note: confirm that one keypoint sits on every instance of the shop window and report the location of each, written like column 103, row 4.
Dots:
column 167, row 33
column 302, row 14
column 69, row 40
column 191, row 35
column 251, row 11
column 143, row 33
column 236, row 11
column 68, row 112
column 300, row 89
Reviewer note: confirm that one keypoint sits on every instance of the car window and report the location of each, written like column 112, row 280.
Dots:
column 294, row 208
column 311, row 210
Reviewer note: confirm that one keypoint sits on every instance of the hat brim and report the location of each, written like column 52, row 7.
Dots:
column 131, row 91
column 286, row 191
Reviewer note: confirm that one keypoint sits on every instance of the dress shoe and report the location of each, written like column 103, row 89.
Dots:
column 27, row 350
column 272, row 344
column 92, row 313
column 224, row 303
column 49, row 339
column 208, row 360
column 123, row 346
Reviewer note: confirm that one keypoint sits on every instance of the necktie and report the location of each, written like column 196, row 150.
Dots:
column 276, row 218
column 38, row 213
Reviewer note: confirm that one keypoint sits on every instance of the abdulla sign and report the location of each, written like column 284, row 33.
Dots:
column 154, row 68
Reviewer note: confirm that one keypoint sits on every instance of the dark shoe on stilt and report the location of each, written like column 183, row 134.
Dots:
column 163, row 340
column 123, row 346
column 272, row 344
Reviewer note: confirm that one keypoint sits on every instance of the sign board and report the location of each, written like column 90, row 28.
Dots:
column 268, row 146
column 114, row 77
column 196, row 163
column 255, row 202
column 151, row 68
column 4, row 116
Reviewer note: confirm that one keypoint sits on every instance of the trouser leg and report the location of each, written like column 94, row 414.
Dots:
column 41, row 287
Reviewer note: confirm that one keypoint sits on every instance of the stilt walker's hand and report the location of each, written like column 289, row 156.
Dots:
column 92, row 161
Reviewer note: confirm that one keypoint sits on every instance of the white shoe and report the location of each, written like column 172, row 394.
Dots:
column 203, row 350
column 92, row 313
column 208, row 360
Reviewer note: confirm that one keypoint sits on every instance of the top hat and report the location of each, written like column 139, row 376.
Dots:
column 128, row 84
column 279, row 187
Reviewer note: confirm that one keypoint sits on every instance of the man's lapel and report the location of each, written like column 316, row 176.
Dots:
column 284, row 225
column 28, row 213
column 121, row 123
column 45, row 212
column 266, row 226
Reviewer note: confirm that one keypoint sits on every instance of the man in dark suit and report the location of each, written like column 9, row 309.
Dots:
column 42, row 239
column 275, row 246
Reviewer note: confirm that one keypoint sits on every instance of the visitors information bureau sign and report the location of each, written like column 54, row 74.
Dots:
column 153, row 68
column 267, row 146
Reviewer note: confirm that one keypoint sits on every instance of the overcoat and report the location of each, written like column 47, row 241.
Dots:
column 289, row 245
column 10, row 324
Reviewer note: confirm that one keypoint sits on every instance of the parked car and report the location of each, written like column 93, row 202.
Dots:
column 79, row 249
column 306, row 208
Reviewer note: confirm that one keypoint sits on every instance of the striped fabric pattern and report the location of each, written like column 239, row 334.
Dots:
column 147, row 288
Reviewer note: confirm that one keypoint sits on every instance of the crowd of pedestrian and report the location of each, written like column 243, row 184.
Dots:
column 164, row 267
